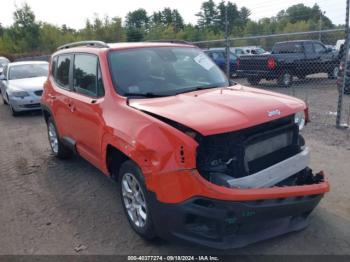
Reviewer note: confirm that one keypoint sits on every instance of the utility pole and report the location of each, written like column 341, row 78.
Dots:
column 320, row 25
column 228, row 60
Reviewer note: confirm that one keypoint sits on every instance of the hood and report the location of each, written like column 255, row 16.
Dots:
column 28, row 84
column 221, row 110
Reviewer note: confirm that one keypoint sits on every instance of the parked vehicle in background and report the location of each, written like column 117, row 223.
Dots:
column 248, row 50
column 339, row 44
column 3, row 61
column 22, row 85
column 198, row 158
column 219, row 57
column 340, row 79
column 288, row 59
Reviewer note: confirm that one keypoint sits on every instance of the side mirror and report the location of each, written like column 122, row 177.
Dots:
column 329, row 50
column 3, row 77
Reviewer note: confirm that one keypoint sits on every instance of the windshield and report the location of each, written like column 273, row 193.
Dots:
column 3, row 62
column 163, row 71
column 28, row 71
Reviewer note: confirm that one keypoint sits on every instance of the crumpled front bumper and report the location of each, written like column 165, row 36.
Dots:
column 231, row 224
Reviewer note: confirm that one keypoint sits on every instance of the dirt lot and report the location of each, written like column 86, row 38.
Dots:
column 49, row 206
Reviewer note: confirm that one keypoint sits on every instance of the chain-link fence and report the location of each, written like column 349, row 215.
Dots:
column 307, row 65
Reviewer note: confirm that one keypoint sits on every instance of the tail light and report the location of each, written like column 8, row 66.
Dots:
column 271, row 63
column 238, row 62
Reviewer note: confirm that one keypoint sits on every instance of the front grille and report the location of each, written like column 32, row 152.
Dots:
column 248, row 151
column 32, row 105
column 38, row 92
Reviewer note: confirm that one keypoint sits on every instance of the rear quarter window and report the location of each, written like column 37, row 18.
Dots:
column 288, row 48
column 62, row 72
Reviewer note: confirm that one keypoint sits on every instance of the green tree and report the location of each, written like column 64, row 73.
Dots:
column 207, row 16
column 137, row 19
column 25, row 30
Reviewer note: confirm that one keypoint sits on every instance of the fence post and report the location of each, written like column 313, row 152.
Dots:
column 345, row 59
column 227, row 44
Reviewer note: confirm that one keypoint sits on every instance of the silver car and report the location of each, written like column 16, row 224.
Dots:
column 22, row 85
column 3, row 61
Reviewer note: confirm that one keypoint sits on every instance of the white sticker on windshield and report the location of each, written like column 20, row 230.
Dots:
column 204, row 61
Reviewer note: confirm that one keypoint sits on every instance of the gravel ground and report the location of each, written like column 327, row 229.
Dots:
column 49, row 206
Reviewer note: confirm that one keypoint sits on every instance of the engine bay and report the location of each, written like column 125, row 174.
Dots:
column 267, row 155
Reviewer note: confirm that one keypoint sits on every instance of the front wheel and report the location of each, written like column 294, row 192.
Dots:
column 285, row 79
column 57, row 147
column 135, row 201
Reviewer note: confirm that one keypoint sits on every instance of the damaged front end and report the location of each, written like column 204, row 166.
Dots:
column 268, row 155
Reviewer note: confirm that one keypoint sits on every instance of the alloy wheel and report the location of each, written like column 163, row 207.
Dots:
column 53, row 137
column 134, row 200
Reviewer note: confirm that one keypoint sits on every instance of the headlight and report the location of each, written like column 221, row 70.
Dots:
column 19, row 93
column 299, row 119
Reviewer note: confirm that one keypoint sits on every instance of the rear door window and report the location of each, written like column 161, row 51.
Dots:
column 319, row 49
column 308, row 48
column 218, row 55
column 62, row 72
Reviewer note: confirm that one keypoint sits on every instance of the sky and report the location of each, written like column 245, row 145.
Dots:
column 74, row 13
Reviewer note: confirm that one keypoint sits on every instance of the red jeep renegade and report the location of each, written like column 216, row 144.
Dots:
column 198, row 158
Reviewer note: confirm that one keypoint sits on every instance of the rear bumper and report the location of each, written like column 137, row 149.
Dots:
column 231, row 224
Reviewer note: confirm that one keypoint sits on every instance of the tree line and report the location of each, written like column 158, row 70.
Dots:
column 28, row 36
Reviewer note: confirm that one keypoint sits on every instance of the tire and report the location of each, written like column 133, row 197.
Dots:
column 57, row 147
column 253, row 80
column 285, row 79
column 133, row 192
column 333, row 74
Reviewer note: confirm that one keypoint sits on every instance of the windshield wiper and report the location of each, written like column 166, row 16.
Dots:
column 148, row 95
column 198, row 88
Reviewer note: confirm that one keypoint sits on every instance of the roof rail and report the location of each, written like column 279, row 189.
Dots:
column 172, row 41
column 99, row 44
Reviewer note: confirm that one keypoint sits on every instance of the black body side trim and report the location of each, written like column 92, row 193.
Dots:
column 69, row 143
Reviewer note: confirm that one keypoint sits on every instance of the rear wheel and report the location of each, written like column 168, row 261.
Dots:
column 285, row 79
column 134, row 200
column 253, row 80
column 57, row 148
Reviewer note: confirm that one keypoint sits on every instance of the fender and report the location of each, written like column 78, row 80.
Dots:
column 155, row 147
